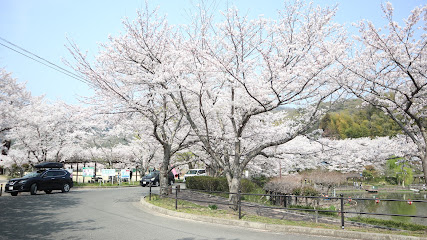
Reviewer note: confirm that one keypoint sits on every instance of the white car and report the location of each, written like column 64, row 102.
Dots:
column 195, row 172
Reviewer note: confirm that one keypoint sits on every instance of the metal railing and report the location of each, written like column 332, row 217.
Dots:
column 342, row 200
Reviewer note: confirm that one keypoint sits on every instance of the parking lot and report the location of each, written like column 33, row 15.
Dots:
column 108, row 213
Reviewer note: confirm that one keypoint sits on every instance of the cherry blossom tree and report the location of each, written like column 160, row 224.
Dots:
column 139, row 147
column 45, row 134
column 389, row 71
column 346, row 155
column 16, row 158
column 226, row 82
column 134, row 73
column 140, row 153
column 241, row 73
column 13, row 97
column 101, row 140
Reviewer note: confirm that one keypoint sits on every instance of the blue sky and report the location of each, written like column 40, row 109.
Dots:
column 42, row 27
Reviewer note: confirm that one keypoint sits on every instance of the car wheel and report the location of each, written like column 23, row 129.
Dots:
column 48, row 191
column 65, row 188
column 14, row 194
column 156, row 184
column 171, row 182
column 33, row 189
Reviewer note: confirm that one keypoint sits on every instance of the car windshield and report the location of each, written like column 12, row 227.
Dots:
column 192, row 172
column 152, row 174
column 32, row 174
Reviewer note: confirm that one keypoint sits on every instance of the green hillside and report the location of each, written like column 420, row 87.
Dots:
column 352, row 120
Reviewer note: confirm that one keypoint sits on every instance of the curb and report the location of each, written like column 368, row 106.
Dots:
column 92, row 187
column 280, row 228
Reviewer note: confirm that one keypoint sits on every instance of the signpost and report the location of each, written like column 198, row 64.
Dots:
column 125, row 173
column 109, row 173
column 88, row 171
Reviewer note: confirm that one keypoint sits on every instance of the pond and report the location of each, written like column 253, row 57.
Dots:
column 404, row 208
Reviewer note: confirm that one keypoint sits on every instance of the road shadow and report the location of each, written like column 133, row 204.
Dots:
column 191, row 238
column 35, row 216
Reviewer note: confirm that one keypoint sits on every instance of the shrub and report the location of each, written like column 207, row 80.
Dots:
column 285, row 185
column 200, row 183
column 368, row 175
column 260, row 181
column 219, row 184
column 213, row 207
column 296, row 191
column 305, row 191
column 247, row 185
column 309, row 191
column 222, row 184
column 391, row 180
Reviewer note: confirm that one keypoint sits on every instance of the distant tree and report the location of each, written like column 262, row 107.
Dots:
column 285, row 185
column 389, row 71
column 346, row 155
column 400, row 170
column 186, row 158
column 44, row 136
column 326, row 179
column 365, row 121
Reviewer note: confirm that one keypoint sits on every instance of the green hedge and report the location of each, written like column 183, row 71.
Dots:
column 219, row 184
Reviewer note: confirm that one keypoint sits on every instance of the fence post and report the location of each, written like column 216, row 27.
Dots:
column 239, row 201
column 286, row 201
column 342, row 210
column 317, row 214
column 150, row 191
column 1, row 189
column 176, row 197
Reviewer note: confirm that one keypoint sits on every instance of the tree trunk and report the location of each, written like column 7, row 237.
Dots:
column 190, row 165
column 424, row 165
column 142, row 171
column 164, row 169
column 5, row 147
column 234, row 186
column 143, row 165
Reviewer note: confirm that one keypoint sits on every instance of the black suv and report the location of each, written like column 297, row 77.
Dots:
column 153, row 177
column 50, row 176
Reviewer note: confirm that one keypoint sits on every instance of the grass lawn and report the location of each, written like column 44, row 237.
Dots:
column 212, row 211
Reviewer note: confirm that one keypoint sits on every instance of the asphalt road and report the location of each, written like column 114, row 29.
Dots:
column 113, row 213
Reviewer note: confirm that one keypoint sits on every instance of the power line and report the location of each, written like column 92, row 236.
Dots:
column 41, row 62
column 46, row 62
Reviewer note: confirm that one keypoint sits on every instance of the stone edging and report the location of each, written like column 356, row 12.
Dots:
column 106, row 186
column 279, row 228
